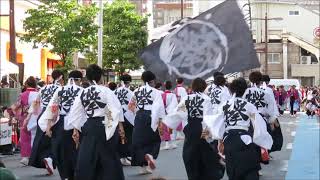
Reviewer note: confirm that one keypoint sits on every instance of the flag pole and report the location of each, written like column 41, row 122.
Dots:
column 266, row 42
column 100, row 34
column 181, row 6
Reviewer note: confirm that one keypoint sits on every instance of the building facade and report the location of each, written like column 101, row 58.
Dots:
column 38, row 62
column 293, row 36
column 293, row 47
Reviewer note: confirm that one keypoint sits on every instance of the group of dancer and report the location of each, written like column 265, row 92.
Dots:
column 90, row 133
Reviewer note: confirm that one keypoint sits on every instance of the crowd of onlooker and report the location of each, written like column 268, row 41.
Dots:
column 305, row 99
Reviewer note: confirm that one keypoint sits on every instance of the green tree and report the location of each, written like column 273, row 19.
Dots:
column 124, row 36
column 63, row 26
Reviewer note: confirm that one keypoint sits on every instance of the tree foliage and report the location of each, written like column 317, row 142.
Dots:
column 124, row 36
column 63, row 26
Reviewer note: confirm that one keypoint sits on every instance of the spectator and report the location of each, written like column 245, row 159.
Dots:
column 4, row 83
column 20, row 109
column 293, row 96
column 41, row 84
column 312, row 104
column 281, row 100
column 158, row 86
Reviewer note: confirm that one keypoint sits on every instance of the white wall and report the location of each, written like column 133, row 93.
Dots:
column 31, row 57
column 3, row 43
column 302, row 25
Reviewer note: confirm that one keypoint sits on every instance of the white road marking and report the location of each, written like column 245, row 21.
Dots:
column 289, row 146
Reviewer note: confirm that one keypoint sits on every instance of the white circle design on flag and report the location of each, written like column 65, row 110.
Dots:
column 194, row 49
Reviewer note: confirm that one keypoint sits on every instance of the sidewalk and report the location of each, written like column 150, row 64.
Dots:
column 304, row 161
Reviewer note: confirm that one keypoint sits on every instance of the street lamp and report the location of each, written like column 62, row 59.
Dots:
column 266, row 19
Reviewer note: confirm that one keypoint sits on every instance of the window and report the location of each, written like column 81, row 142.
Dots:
column 275, row 40
column 294, row 13
column 273, row 58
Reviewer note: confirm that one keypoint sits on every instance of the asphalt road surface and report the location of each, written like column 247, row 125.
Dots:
column 170, row 165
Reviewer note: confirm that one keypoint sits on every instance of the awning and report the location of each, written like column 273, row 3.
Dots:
column 7, row 68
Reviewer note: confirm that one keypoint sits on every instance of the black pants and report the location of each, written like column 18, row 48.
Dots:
column 242, row 161
column 310, row 113
column 98, row 158
column 277, row 138
column 41, row 148
column 292, row 112
column 63, row 150
column 253, row 175
column 280, row 111
column 200, row 158
column 144, row 139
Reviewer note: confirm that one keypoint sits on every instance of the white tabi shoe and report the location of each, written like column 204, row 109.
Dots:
column 49, row 166
column 173, row 145
column 180, row 136
column 149, row 170
column 125, row 162
column 260, row 173
column 24, row 161
column 166, row 146
column 145, row 170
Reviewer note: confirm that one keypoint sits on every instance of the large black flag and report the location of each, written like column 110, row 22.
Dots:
column 216, row 40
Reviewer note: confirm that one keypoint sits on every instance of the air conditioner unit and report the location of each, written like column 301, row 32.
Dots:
column 305, row 59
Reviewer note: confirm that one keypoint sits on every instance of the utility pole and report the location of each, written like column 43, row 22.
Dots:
column 266, row 19
column 12, row 51
column 266, row 42
column 181, row 4
column 100, row 33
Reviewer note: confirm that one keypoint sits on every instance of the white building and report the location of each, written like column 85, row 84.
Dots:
column 37, row 62
column 293, row 47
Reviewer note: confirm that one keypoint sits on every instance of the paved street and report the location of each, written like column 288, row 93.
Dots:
column 171, row 167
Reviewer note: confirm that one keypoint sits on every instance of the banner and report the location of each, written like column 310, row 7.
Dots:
column 216, row 40
column 5, row 132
